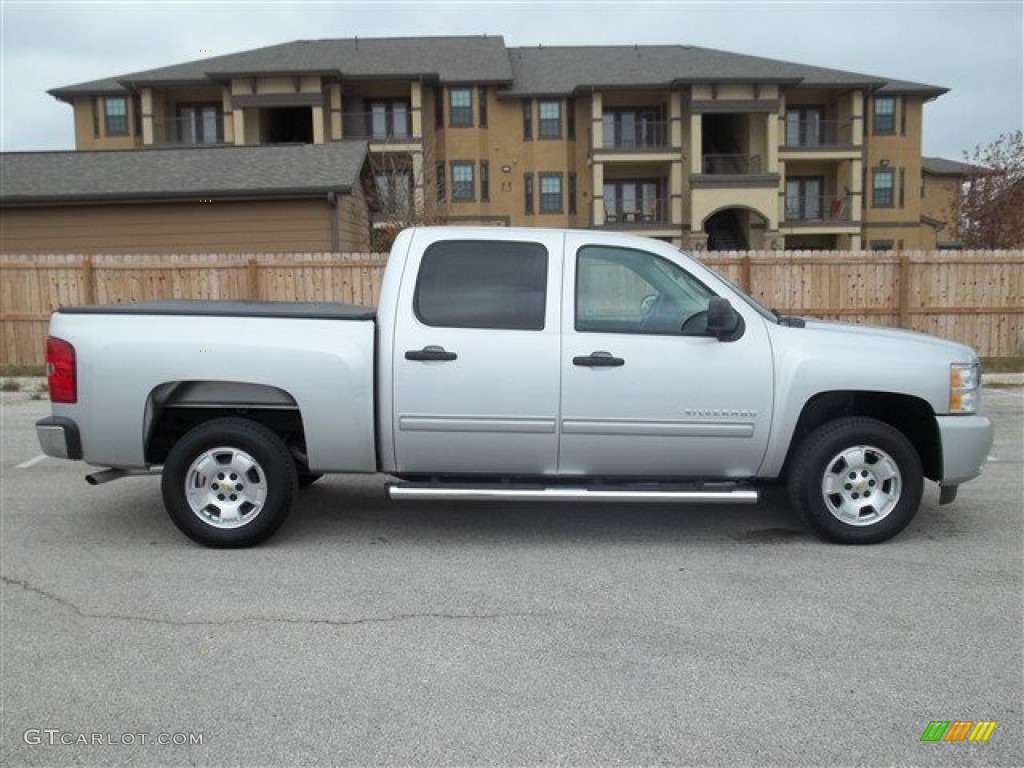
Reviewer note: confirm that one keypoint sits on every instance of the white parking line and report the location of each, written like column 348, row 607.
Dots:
column 32, row 462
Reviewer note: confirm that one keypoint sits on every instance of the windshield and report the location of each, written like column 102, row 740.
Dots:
column 760, row 308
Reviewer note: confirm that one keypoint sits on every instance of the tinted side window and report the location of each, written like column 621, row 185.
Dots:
column 621, row 290
column 483, row 284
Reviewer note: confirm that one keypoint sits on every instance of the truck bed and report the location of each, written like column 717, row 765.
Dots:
column 307, row 310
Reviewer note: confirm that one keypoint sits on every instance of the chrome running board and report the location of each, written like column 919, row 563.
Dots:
column 726, row 494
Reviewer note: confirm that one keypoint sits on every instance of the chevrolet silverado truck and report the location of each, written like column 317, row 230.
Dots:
column 505, row 364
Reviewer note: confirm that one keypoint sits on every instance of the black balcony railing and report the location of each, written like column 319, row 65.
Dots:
column 377, row 126
column 808, row 134
column 651, row 211
column 189, row 131
column 646, row 134
column 818, row 209
column 717, row 165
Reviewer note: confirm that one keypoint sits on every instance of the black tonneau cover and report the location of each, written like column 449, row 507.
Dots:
column 306, row 310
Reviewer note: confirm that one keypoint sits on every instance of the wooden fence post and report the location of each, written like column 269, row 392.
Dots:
column 88, row 281
column 745, row 278
column 904, row 294
column 254, row 280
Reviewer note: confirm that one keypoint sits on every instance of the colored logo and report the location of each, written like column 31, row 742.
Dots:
column 959, row 730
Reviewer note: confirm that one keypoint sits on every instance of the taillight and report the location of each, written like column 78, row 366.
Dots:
column 60, row 371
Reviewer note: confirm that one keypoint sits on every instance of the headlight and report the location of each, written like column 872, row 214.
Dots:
column 964, row 379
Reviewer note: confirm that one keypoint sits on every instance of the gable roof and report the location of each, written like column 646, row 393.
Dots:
column 564, row 69
column 176, row 173
column 528, row 71
column 899, row 87
column 448, row 59
column 940, row 166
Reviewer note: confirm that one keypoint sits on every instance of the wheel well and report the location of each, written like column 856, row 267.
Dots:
column 175, row 408
column 910, row 415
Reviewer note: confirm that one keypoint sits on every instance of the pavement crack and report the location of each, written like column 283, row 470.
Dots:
column 397, row 617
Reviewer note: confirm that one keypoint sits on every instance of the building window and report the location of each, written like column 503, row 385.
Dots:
column 805, row 127
column 884, row 115
column 115, row 112
column 550, row 119
column 881, row 245
column 474, row 284
column 630, row 201
column 882, row 188
column 572, row 193
column 570, row 119
column 481, row 101
column 805, row 198
column 199, row 124
column 551, row 193
column 442, row 193
column 528, row 192
column 485, row 180
column 630, row 128
column 389, row 120
column 527, row 120
column 96, row 108
column 460, row 103
column 439, row 107
column 462, row 181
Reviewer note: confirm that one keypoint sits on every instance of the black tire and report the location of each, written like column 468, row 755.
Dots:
column 853, row 496
column 306, row 479
column 265, row 489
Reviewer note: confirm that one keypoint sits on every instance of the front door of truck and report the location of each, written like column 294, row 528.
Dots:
column 476, row 356
column 644, row 391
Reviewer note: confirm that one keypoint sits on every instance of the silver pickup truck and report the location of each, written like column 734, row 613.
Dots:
column 509, row 364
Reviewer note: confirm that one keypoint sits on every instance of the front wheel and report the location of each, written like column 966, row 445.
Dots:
column 229, row 483
column 856, row 481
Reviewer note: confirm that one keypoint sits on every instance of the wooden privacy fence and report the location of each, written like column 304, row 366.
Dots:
column 974, row 297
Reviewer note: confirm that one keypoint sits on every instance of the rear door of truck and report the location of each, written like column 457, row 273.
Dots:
column 476, row 354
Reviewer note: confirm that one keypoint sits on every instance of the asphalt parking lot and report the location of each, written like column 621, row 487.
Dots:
column 372, row 632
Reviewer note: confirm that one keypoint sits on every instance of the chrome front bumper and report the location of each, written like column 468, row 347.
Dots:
column 966, row 442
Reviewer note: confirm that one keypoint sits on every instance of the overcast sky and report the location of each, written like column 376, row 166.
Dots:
column 975, row 48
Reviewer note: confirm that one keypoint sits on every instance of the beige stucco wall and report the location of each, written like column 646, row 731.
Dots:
column 180, row 227
column 902, row 151
column 92, row 135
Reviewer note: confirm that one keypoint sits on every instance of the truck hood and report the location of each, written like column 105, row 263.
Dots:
column 894, row 337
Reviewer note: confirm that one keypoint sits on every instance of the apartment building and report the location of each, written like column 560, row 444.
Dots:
column 702, row 148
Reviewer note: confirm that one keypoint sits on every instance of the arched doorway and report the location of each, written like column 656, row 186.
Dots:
column 735, row 229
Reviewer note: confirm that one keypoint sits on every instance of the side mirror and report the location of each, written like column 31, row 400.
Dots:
column 724, row 322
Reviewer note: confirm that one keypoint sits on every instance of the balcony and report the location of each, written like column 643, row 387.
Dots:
column 651, row 212
column 737, row 164
column 803, row 210
column 815, row 134
column 378, row 127
column 643, row 134
column 202, row 130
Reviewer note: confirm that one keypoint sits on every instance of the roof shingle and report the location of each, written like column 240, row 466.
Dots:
column 258, row 171
column 527, row 70
column 451, row 59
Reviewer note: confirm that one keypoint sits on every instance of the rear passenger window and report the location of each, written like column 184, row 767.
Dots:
column 483, row 284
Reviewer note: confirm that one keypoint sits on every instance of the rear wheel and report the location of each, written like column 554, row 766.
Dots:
column 856, row 481
column 229, row 483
